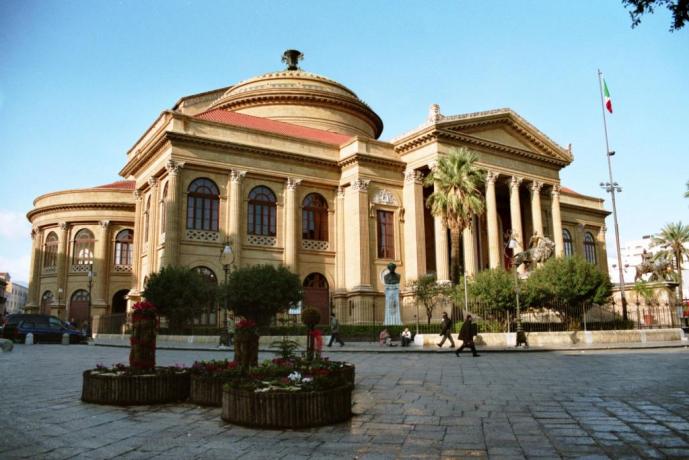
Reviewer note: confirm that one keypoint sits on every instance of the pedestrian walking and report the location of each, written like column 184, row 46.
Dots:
column 446, row 331
column 335, row 330
column 466, row 335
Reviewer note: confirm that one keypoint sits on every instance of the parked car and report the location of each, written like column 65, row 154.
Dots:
column 45, row 329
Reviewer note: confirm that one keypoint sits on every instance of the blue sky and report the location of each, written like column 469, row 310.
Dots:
column 81, row 80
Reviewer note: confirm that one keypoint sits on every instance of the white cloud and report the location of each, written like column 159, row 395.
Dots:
column 17, row 267
column 13, row 225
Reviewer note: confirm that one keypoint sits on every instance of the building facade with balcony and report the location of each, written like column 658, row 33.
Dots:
column 289, row 169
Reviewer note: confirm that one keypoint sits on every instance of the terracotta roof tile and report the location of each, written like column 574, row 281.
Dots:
column 120, row 185
column 273, row 126
column 569, row 191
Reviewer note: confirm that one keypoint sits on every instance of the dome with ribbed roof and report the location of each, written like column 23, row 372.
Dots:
column 302, row 98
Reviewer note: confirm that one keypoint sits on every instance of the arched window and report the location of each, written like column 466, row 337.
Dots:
column 163, row 210
column 124, row 247
column 567, row 240
column 47, row 299
column 589, row 248
column 314, row 218
column 208, row 316
column 83, row 248
column 261, row 216
column 203, row 201
column 50, row 251
column 147, row 219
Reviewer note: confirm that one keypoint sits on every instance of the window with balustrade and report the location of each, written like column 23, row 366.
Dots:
column 589, row 248
column 314, row 217
column 124, row 248
column 568, row 243
column 203, row 203
column 82, row 254
column 261, row 212
column 50, row 251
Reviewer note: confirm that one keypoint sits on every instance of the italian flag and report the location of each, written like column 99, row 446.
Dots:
column 606, row 94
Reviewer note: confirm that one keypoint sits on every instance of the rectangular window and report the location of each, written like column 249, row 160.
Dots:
column 386, row 234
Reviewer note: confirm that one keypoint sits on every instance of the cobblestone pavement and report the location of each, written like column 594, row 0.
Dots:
column 540, row 405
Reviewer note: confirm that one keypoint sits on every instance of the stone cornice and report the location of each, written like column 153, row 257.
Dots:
column 433, row 134
column 372, row 160
column 80, row 206
column 230, row 145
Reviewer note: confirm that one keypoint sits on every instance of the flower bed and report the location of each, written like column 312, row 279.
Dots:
column 284, row 376
column 287, row 409
column 124, row 386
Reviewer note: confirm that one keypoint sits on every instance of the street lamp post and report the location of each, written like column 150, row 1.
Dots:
column 226, row 259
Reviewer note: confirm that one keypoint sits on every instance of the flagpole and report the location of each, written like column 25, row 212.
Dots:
column 612, row 187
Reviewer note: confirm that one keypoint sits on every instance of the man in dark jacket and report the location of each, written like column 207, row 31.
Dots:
column 446, row 331
column 466, row 335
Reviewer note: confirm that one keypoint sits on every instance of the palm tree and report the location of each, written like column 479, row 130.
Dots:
column 457, row 196
column 674, row 238
column 686, row 194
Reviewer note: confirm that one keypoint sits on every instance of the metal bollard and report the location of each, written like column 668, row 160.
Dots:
column 29, row 339
column 65, row 339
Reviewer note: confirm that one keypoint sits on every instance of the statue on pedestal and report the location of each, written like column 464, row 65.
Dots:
column 392, row 296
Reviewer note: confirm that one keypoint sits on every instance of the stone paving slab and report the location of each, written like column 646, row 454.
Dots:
column 612, row 404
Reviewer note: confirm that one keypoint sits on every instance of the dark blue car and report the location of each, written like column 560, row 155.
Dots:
column 45, row 329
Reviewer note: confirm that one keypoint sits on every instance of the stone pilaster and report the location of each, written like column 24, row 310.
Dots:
column 492, row 220
column 536, row 214
column 414, row 232
column 442, row 259
column 557, row 221
column 340, row 278
column 62, row 266
column 358, row 252
column 516, row 214
column 291, row 224
column 100, row 269
column 235, row 211
column 138, row 242
column 152, row 218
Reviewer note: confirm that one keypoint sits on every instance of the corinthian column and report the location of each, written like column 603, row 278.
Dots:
column 138, row 240
column 35, row 271
column 557, row 221
column 171, row 215
column 152, row 219
column 291, row 224
column 235, row 201
column 492, row 218
column 414, row 233
column 469, row 254
column 62, row 264
column 100, row 266
column 442, row 261
column 536, row 207
column 516, row 214
column 340, row 279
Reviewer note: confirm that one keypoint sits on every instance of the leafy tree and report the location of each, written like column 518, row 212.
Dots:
column 642, row 290
column 678, row 8
column 495, row 289
column 260, row 291
column 457, row 196
column 563, row 283
column 674, row 238
column 427, row 292
column 180, row 294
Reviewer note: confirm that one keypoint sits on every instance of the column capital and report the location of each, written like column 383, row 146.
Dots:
column 173, row 167
column 432, row 164
column 104, row 224
column 236, row 175
column 555, row 191
column 516, row 181
column 138, row 195
column 340, row 192
column 63, row 226
column 491, row 177
column 412, row 176
column 34, row 232
column 292, row 183
column 536, row 186
column 360, row 185
column 152, row 181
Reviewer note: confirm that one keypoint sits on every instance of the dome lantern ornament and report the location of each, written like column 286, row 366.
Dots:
column 292, row 58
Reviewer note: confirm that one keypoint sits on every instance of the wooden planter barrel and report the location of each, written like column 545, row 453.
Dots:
column 128, row 390
column 287, row 409
column 206, row 391
column 348, row 372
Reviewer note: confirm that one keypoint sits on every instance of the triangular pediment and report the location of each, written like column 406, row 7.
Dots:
column 506, row 129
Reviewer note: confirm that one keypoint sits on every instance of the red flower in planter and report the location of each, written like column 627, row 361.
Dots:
column 246, row 324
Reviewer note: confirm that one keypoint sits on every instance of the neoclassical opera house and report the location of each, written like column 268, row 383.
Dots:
column 288, row 168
